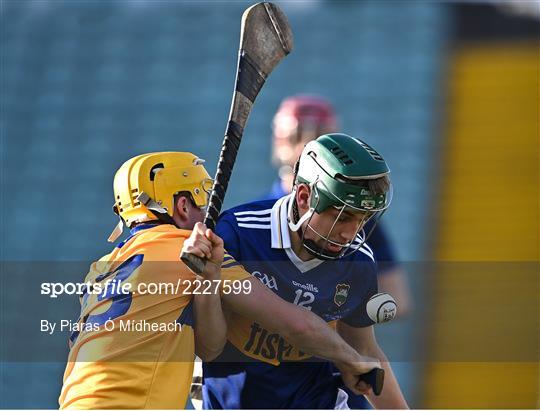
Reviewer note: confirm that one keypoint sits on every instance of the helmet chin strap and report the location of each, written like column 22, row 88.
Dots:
column 117, row 232
column 158, row 211
column 309, row 245
column 295, row 226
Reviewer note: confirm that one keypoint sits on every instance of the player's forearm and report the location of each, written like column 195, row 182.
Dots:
column 300, row 327
column 210, row 326
column 391, row 396
column 313, row 335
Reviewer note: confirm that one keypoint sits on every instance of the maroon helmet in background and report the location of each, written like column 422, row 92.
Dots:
column 299, row 120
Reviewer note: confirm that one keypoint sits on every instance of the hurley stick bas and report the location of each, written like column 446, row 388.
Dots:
column 265, row 39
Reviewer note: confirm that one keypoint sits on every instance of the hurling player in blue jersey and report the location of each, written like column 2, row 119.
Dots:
column 309, row 248
column 298, row 120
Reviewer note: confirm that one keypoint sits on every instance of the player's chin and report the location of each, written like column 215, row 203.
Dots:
column 331, row 252
column 333, row 248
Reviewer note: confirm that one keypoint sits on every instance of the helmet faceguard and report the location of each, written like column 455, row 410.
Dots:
column 145, row 186
column 345, row 174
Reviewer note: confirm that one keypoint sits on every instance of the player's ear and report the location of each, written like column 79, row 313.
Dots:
column 302, row 196
column 181, row 210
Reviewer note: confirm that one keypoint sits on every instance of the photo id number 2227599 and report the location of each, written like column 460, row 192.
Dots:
column 201, row 286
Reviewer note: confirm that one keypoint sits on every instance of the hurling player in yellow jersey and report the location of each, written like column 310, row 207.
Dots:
column 142, row 320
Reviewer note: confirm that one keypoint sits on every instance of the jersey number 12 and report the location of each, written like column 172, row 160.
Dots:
column 307, row 298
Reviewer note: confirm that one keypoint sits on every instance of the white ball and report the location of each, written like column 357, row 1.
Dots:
column 381, row 308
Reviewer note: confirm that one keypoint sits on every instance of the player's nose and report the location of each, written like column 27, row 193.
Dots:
column 349, row 230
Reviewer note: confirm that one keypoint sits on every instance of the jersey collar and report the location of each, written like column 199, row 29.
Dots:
column 141, row 227
column 281, row 237
column 279, row 225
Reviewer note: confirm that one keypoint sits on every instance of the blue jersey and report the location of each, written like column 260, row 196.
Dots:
column 258, row 368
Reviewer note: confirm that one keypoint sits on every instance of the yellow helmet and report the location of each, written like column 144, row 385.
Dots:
column 146, row 185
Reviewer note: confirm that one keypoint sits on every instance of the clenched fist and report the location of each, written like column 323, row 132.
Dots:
column 204, row 243
column 350, row 373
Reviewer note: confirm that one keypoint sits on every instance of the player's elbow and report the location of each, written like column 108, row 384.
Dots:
column 210, row 350
column 207, row 354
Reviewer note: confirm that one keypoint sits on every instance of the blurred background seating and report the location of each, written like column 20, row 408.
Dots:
column 447, row 92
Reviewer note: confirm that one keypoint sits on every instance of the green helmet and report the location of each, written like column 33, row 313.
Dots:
column 338, row 168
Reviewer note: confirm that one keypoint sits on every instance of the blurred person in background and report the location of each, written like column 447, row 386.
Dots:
column 299, row 120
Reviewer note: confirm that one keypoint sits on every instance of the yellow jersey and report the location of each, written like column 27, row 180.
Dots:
column 133, row 345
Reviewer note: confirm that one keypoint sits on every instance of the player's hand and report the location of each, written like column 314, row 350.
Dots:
column 204, row 243
column 350, row 374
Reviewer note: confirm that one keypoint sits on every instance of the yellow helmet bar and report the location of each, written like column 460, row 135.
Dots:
column 158, row 176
